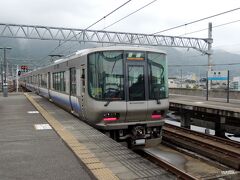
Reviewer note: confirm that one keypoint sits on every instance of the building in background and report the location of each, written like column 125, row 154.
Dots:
column 235, row 84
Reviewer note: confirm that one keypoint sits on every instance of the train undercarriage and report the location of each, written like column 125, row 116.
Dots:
column 137, row 135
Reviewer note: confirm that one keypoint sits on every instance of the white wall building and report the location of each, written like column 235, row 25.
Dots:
column 236, row 83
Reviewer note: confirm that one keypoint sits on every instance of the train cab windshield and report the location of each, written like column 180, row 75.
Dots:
column 106, row 75
column 145, row 74
column 157, row 76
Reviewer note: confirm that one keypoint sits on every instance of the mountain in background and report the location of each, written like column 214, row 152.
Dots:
column 35, row 53
column 189, row 61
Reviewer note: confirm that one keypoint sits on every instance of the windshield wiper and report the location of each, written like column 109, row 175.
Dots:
column 158, row 101
column 108, row 102
column 156, row 91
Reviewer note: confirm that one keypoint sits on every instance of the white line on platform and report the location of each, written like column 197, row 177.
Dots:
column 32, row 112
column 42, row 126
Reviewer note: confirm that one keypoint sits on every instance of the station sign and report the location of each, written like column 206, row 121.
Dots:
column 24, row 67
column 218, row 75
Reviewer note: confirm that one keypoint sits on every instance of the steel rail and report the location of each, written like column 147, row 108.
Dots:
column 222, row 150
column 166, row 165
column 209, row 148
column 207, row 136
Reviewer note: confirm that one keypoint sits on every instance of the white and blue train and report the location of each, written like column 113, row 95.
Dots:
column 119, row 90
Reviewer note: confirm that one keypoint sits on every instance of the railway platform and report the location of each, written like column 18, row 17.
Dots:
column 29, row 149
column 215, row 114
column 41, row 141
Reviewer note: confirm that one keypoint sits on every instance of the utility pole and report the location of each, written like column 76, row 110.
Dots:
column 181, row 77
column 210, row 41
column 17, row 78
column 2, row 74
column 5, row 84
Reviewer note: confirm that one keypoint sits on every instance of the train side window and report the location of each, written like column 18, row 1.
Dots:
column 43, row 80
column 59, row 81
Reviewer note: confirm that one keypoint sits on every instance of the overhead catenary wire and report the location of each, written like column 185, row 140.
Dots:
column 129, row 14
column 220, row 25
column 108, row 14
column 195, row 21
column 198, row 20
column 146, row 5
column 61, row 43
column 192, row 65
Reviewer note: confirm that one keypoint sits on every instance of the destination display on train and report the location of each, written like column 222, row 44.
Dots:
column 135, row 56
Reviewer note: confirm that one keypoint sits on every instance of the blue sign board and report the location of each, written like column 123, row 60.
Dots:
column 218, row 75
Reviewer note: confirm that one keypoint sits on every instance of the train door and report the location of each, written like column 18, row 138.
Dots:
column 82, row 91
column 136, row 71
column 73, row 91
column 49, row 84
column 39, row 78
column 72, row 84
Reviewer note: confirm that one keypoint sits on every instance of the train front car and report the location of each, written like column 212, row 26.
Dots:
column 128, row 93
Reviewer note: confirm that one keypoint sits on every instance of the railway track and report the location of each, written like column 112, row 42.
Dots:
column 165, row 165
column 222, row 150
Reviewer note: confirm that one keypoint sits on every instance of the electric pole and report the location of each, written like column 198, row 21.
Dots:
column 5, row 84
column 210, row 41
column 2, row 74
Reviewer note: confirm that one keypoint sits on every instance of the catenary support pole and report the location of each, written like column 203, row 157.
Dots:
column 210, row 41
column 17, row 79
column 5, row 84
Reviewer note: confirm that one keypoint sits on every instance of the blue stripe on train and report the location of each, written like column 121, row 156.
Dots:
column 76, row 107
column 44, row 92
column 63, row 100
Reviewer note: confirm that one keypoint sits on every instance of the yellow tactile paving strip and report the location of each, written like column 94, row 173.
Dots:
column 80, row 150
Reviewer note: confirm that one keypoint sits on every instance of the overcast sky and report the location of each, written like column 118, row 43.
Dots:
column 160, row 15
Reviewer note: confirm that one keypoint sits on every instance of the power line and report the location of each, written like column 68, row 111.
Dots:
column 20, row 59
column 120, row 20
column 191, row 65
column 129, row 14
column 108, row 14
column 220, row 25
column 60, row 44
column 195, row 21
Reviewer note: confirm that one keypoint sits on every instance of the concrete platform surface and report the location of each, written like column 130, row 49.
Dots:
column 30, row 154
column 214, row 103
column 106, row 158
column 70, row 150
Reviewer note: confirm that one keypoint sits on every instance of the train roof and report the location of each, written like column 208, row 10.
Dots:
column 111, row 48
column 106, row 48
